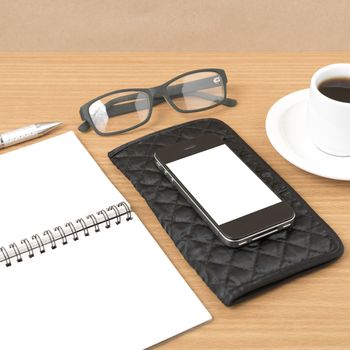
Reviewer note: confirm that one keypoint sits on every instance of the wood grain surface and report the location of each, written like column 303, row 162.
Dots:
column 311, row 312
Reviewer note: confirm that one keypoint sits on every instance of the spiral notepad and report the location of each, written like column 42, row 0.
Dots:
column 78, row 269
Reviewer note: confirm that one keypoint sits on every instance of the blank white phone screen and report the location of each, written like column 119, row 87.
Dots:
column 224, row 186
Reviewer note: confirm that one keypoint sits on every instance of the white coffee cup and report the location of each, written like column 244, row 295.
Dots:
column 328, row 119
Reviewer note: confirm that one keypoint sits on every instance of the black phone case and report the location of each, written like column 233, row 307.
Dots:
column 231, row 273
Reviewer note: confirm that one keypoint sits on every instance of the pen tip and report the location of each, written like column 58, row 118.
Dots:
column 53, row 124
column 44, row 128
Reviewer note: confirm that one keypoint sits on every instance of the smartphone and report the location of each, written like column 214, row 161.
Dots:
column 226, row 193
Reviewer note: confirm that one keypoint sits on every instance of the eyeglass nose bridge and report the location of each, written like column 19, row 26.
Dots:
column 160, row 94
column 158, row 91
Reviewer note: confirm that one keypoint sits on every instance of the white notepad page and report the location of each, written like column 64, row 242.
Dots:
column 114, row 289
column 50, row 183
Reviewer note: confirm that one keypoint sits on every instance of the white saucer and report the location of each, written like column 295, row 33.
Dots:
column 287, row 131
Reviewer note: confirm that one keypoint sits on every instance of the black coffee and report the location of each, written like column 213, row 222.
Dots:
column 336, row 88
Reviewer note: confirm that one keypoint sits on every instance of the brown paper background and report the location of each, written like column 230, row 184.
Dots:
column 114, row 25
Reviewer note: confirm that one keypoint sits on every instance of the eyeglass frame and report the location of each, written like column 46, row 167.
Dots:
column 159, row 92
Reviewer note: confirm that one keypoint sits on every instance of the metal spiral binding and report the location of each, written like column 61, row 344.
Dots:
column 59, row 229
column 72, row 230
column 62, row 233
column 84, row 226
column 29, row 247
column 117, row 213
column 127, row 210
column 106, row 218
column 51, row 238
column 6, row 255
column 40, row 243
column 93, row 218
column 17, row 252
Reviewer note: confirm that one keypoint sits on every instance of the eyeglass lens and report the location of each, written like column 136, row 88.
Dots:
column 120, row 111
column 196, row 91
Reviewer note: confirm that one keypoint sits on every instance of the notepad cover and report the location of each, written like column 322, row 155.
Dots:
column 231, row 273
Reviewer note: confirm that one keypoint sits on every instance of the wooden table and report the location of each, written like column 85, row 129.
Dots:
column 312, row 312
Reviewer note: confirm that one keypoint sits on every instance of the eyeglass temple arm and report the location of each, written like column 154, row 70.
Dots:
column 176, row 91
column 115, row 111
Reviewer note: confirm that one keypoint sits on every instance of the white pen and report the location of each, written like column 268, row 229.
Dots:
column 27, row 133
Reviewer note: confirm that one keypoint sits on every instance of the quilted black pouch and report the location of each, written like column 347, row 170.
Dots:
column 231, row 273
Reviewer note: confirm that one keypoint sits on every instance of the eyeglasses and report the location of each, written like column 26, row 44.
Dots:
column 123, row 110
